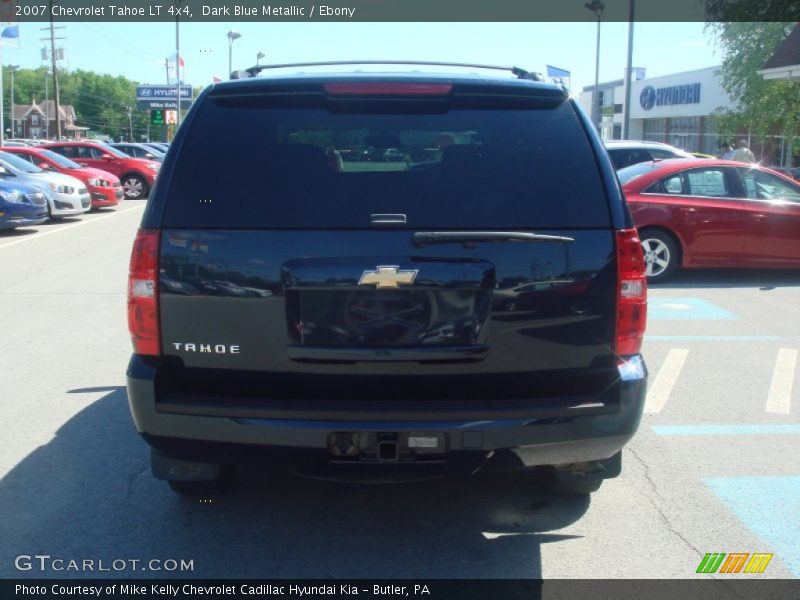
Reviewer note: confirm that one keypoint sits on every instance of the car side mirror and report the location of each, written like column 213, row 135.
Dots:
column 45, row 166
column 107, row 157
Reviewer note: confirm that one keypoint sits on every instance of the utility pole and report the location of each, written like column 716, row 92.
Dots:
column 130, row 123
column 53, row 57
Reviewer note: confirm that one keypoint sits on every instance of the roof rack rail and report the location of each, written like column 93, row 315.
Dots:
column 517, row 71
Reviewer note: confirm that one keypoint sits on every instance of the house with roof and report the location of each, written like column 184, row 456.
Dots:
column 38, row 121
column 785, row 61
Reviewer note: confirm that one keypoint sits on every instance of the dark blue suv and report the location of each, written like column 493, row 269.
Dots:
column 479, row 303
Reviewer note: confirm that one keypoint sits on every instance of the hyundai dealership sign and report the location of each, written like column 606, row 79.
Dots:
column 668, row 96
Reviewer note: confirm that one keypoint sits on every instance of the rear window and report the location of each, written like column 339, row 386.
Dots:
column 255, row 166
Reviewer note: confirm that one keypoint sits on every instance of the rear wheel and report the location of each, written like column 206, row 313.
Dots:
column 218, row 485
column 660, row 254
column 134, row 187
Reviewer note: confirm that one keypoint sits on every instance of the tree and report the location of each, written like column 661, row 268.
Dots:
column 763, row 107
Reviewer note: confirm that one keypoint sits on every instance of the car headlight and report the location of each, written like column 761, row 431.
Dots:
column 62, row 189
column 11, row 196
column 97, row 182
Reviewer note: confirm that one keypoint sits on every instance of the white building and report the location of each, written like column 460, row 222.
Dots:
column 677, row 109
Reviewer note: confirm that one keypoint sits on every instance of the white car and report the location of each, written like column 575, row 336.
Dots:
column 66, row 196
column 624, row 153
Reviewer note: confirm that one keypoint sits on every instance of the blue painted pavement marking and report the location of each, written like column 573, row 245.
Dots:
column 770, row 508
column 681, row 309
column 778, row 429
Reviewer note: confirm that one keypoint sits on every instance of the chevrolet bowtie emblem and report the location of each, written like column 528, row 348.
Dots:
column 388, row 277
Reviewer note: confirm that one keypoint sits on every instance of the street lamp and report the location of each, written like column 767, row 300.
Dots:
column 232, row 35
column 13, row 69
column 259, row 56
column 597, row 7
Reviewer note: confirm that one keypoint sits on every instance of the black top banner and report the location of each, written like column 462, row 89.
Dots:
column 396, row 10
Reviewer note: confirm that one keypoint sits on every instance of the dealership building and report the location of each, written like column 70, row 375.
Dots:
column 676, row 109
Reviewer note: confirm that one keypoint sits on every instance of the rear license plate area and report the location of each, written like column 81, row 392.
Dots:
column 387, row 446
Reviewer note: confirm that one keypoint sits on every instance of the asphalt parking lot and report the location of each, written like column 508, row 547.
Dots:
column 714, row 467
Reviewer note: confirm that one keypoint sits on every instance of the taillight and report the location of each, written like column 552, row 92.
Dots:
column 631, row 293
column 388, row 89
column 143, row 294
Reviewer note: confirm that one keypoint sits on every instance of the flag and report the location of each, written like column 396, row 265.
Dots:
column 215, row 80
column 558, row 76
column 172, row 67
column 9, row 34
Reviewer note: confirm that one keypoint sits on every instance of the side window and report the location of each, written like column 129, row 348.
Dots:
column 68, row 151
column 759, row 185
column 673, row 184
column 707, row 182
column 29, row 157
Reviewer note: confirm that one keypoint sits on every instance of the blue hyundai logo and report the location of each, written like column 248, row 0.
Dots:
column 648, row 97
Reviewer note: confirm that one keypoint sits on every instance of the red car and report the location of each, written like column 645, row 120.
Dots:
column 104, row 187
column 713, row 213
column 136, row 174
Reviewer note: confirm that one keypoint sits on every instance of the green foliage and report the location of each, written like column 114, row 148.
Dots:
column 764, row 107
column 100, row 101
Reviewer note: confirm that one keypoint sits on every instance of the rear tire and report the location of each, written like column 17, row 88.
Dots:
column 661, row 254
column 212, row 487
column 563, row 481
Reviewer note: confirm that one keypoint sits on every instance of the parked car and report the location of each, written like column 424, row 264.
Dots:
column 624, row 153
column 139, row 150
column 372, row 337
column 104, row 187
column 160, row 146
column 713, row 213
column 136, row 174
column 66, row 196
column 21, row 205
column 13, row 144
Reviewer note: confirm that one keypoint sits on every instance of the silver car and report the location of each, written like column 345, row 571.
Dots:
column 66, row 195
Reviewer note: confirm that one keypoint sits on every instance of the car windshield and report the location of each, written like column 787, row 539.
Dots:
column 61, row 161
column 628, row 174
column 19, row 163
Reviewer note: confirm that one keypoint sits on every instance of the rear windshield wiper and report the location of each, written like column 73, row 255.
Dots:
column 422, row 238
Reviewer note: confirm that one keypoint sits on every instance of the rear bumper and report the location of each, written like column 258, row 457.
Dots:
column 540, row 433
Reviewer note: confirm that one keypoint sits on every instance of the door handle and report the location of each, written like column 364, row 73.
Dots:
column 759, row 217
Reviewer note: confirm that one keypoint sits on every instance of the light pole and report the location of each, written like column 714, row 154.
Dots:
column 13, row 69
column 259, row 56
column 597, row 7
column 626, row 121
column 232, row 35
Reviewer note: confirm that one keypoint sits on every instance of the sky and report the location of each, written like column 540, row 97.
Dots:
column 138, row 50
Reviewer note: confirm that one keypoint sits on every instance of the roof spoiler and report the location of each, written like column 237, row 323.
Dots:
column 517, row 71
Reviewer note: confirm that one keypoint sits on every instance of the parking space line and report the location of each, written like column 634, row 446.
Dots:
column 755, row 429
column 779, row 399
column 659, row 392
column 38, row 235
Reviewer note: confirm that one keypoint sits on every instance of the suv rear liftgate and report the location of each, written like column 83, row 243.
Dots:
column 388, row 271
